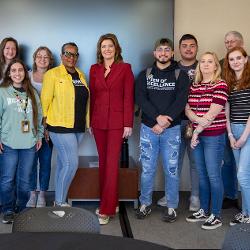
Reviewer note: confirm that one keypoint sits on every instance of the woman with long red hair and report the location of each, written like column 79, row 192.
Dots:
column 237, row 75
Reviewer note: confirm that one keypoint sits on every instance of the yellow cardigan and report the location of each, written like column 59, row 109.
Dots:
column 58, row 97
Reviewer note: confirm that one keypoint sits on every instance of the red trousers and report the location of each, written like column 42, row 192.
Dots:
column 108, row 142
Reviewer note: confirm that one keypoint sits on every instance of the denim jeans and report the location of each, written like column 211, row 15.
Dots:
column 242, row 158
column 229, row 173
column 168, row 145
column 208, row 155
column 44, row 155
column 66, row 146
column 15, row 174
column 185, row 145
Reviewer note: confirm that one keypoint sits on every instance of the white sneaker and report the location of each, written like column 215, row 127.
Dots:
column 41, row 201
column 194, row 203
column 162, row 202
column 32, row 201
column 65, row 204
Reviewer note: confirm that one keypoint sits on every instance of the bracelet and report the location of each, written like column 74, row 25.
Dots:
column 230, row 135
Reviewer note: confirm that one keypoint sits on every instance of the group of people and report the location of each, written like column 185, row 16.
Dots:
column 212, row 100
column 215, row 97
column 30, row 128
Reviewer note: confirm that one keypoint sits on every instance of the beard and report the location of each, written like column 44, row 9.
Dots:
column 163, row 61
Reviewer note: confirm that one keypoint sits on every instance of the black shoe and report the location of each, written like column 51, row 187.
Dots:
column 143, row 211
column 230, row 203
column 212, row 222
column 169, row 215
column 8, row 218
column 197, row 216
column 238, row 218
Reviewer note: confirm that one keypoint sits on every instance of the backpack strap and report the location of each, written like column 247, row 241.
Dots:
column 177, row 73
column 148, row 71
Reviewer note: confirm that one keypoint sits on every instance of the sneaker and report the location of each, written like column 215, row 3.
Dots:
column 194, row 203
column 238, row 218
column 198, row 216
column 64, row 204
column 143, row 211
column 212, row 222
column 8, row 218
column 162, row 202
column 169, row 215
column 247, row 220
column 98, row 210
column 41, row 201
column 32, row 201
column 103, row 219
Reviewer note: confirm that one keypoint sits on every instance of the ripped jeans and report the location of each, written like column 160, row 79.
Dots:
column 168, row 145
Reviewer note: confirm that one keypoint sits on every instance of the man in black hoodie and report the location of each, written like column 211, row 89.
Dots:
column 161, row 93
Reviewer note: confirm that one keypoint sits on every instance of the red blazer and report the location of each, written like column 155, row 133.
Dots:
column 111, row 98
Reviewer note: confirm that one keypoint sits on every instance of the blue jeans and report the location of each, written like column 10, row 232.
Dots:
column 15, row 174
column 44, row 155
column 242, row 158
column 168, row 144
column 208, row 155
column 66, row 146
column 185, row 144
column 229, row 173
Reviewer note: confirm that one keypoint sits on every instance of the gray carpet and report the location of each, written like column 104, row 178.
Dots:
column 180, row 234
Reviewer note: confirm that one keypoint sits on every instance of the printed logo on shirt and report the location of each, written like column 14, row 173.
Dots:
column 191, row 74
column 77, row 83
column 159, row 84
column 19, row 105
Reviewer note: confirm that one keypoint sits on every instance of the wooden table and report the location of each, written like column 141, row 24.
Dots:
column 85, row 186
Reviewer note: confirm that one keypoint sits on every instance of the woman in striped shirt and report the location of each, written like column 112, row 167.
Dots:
column 237, row 74
column 206, row 110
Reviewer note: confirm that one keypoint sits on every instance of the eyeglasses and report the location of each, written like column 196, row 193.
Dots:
column 69, row 54
column 42, row 57
column 230, row 42
column 160, row 50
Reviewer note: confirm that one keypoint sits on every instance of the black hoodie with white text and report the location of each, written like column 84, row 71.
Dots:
column 160, row 93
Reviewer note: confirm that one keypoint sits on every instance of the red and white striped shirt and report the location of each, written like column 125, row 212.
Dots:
column 201, row 96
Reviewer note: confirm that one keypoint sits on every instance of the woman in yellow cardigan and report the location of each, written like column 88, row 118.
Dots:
column 65, row 103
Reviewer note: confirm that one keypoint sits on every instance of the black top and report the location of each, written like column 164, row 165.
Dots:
column 239, row 101
column 81, row 98
column 162, row 94
column 190, row 70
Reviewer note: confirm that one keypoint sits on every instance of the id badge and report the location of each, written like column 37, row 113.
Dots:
column 25, row 126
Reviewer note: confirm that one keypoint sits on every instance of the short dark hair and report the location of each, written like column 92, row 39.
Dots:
column 68, row 44
column 164, row 41
column 188, row 37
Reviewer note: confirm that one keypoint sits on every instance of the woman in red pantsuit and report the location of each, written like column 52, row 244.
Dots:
column 111, row 117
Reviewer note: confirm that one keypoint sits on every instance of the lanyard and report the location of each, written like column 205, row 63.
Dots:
column 23, row 103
